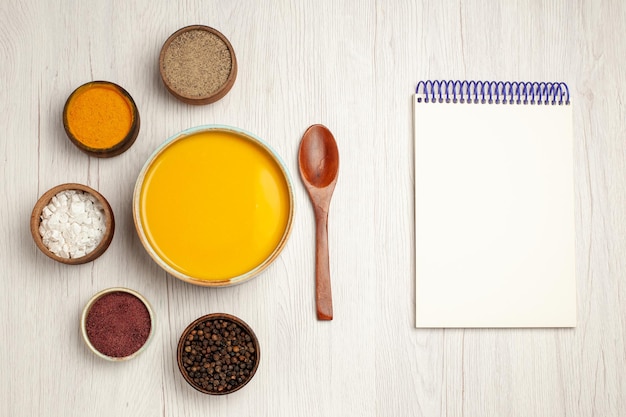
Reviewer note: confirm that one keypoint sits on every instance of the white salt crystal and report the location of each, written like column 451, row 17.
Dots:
column 53, row 221
column 77, row 207
column 73, row 224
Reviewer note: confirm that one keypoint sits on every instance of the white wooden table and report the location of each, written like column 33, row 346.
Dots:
column 352, row 66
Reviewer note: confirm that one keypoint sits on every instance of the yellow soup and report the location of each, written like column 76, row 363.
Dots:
column 214, row 205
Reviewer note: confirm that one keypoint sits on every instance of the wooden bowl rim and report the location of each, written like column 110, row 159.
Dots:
column 209, row 98
column 35, row 220
column 119, row 147
column 211, row 317
column 87, row 309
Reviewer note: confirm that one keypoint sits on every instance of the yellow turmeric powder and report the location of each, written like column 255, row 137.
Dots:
column 99, row 115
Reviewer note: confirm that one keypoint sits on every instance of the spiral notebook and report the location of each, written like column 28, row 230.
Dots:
column 494, row 205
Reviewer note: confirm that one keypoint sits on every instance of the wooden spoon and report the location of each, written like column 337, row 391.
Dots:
column 318, row 159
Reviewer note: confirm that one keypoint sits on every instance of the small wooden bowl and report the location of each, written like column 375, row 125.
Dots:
column 44, row 200
column 205, row 98
column 230, row 319
column 87, row 309
column 119, row 147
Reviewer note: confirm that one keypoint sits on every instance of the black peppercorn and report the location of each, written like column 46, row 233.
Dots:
column 217, row 354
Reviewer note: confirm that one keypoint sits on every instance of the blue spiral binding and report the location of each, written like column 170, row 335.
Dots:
column 498, row 92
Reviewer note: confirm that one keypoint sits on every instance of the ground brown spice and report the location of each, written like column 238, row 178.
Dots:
column 118, row 324
column 197, row 63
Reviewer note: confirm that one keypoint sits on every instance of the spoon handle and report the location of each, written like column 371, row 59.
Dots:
column 323, row 296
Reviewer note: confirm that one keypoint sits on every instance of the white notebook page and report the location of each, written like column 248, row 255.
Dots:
column 494, row 215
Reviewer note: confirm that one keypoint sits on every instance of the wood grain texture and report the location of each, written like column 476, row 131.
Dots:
column 351, row 66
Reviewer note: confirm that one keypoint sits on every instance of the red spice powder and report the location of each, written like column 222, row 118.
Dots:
column 118, row 324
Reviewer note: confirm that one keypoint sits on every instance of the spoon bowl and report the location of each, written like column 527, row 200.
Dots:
column 318, row 159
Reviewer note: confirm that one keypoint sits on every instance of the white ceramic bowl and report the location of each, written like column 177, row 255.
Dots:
column 142, row 229
column 96, row 297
